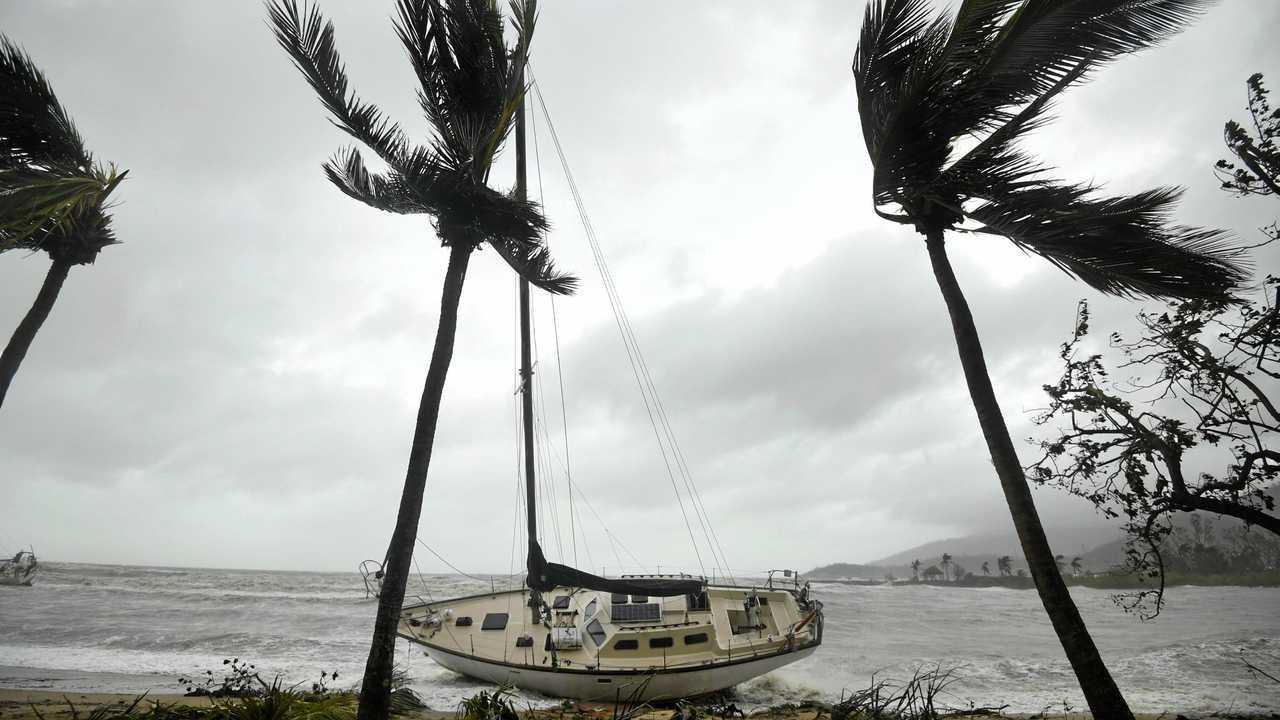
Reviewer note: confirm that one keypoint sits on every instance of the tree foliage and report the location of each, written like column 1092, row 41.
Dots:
column 1256, row 148
column 1192, row 423
column 53, row 193
column 470, row 87
column 927, row 86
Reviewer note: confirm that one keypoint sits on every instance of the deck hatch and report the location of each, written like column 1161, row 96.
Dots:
column 494, row 621
column 643, row 613
column 463, row 621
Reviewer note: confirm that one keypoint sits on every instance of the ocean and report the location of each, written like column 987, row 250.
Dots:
column 100, row 628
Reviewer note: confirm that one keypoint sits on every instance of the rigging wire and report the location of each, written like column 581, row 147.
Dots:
column 446, row 562
column 640, row 368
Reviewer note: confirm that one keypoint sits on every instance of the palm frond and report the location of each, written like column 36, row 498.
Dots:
column 33, row 198
column 900, row 81
column 309, row 40
column 470, row 88
column 1119, row 245
column 35, row 130
column 1045, row 40
column 347, row 171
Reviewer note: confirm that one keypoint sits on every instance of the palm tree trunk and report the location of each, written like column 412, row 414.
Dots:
column 13, row 353
column 375, row 691
column 1100, row 691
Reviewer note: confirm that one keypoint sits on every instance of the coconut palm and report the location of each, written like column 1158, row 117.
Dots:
column 471, row 88
column 1076, row 566
column 53, row 195
column 982, row 81
column 915, row 569
column 1004, row 564
column 986, row 568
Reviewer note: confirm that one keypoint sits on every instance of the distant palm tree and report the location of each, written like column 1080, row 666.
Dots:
column 915, row 569
column 53, row 196
column 471, row 87
column 986, row 568
column 1076, row 566
column 1004, row 564
column 946, row 564
column 1060, row 561
column 982, row 81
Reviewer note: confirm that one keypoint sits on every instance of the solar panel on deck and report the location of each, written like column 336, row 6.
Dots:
column 647, row 612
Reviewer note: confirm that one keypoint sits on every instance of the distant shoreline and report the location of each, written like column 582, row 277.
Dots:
column 1266, row 578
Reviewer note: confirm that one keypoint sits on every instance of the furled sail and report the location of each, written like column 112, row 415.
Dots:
column 543, row 576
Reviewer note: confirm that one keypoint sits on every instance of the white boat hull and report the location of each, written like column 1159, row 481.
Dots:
column 635, row 686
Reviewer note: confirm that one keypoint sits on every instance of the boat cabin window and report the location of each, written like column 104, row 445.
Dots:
column 591, row 608
column 560, row 603
column 596, row 631
column 626, row 644
column 660, row 642
column 695, row 639
column 639, row 599
column 494, row 621
column 618, row 599
column 697, row 601
column 463, row 621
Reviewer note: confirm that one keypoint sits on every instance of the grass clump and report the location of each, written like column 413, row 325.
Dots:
column 496, row 704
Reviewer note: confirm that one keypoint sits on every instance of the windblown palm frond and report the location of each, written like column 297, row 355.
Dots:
column 50, row 187
column 993, row 74
column 469, row 89
column 1120, row 245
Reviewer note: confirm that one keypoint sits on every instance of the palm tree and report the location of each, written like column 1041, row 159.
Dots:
column 1076, row 566
column 471, row 88
column 1004, row 564
column 990, row 75
column 1060, row 561
column 986, row 568
column 53, row 196
column 946, row 564
column 915, row 569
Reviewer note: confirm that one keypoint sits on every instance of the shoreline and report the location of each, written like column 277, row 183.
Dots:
column 39, row 704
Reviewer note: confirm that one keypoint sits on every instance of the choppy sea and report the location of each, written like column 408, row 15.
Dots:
column 128, row 629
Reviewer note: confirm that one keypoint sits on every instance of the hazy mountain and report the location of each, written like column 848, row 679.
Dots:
column 1064, row 541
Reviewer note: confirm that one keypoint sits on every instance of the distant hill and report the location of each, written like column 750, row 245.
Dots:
column 846, row 570
column 1065, row 541
column 971, row 551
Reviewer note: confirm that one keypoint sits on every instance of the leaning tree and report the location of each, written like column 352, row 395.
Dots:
column 53, row 195
column 471, row 87
column 944, row 103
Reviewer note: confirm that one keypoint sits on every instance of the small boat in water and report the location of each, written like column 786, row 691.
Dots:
column 20, row 569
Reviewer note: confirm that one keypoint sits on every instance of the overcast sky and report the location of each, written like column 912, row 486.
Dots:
column 235, row 384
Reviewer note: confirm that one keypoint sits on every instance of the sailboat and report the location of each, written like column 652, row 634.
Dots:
column 20, row 569
column 641, row 638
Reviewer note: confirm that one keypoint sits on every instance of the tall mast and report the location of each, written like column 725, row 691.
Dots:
column 526, row 356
